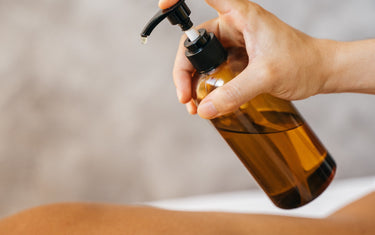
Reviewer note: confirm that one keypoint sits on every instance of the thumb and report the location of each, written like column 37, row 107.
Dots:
column 164, row 4
column 220, row 6
column 224, row 6
column 247, row 85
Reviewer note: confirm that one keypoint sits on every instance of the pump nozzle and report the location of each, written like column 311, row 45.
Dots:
column 177, row 14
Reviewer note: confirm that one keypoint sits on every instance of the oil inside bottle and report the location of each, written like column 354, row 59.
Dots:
column 291, row 165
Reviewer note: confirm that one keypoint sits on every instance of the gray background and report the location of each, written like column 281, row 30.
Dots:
column 87, row 113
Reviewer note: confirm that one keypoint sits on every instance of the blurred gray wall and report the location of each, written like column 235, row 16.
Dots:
column 87, row 113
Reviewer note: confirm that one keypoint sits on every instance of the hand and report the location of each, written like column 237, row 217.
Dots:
column 282, row 61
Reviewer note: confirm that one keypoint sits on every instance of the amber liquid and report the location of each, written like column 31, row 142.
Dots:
column 291, row 166
column 273, row 141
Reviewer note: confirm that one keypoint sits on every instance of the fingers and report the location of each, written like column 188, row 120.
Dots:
column 233, row 94
column 224, row 6
column 220, row 5
column 182, row 74
column 191, row 107
column 164, row 4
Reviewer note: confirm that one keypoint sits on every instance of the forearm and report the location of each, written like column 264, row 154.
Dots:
column 349, row 66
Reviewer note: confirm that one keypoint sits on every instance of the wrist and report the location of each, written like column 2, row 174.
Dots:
column 328, row 53
column 348, row 66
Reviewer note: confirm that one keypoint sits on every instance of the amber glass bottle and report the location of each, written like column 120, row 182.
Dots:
column 267, row 134
column 273, row 141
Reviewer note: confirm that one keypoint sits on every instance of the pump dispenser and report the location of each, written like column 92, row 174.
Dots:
column 204, row 50
column 267, row 134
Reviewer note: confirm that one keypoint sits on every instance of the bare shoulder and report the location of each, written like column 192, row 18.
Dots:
column 362, row 209
column 88, row 218
column 65, row 218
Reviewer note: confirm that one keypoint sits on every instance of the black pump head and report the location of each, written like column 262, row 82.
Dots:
column 204, row 50
column 177, row 14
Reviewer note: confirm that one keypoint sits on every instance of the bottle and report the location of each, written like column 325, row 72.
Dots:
column 267, row 134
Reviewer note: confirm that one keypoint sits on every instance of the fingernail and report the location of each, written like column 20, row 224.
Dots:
column 207, row 110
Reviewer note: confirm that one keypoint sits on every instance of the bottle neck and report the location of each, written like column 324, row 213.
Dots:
column 213, row 70
column 192, row 34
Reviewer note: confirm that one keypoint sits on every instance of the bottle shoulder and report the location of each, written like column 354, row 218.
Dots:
column 204, row 83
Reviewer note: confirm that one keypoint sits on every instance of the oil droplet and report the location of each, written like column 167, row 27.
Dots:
column 143, row 40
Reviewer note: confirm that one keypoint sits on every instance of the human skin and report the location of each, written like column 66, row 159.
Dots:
column 87, row 218
column 282, row 61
